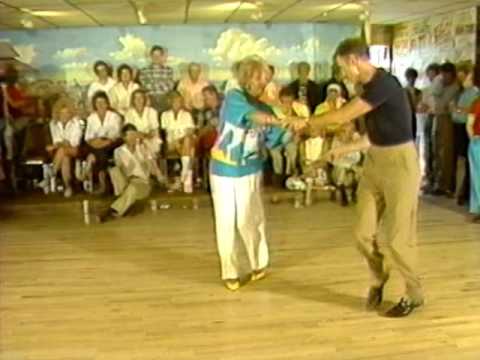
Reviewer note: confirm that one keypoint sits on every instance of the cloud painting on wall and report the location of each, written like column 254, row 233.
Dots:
column 68, row 54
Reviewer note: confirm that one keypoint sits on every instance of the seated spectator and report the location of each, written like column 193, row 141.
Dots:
column 190, row 87
column 271, row 95
column 102, row 136
column 289, row 107
column 104, row 81
column 333, row 101
column 306, row 90
column 145, row 120
column 346, row 168
column 180, row 130
column 131, row 174
column 315, row 147
column 66, row 132
column 473, row 128
column 121, row 93
column 208, row 120
column 460, row 110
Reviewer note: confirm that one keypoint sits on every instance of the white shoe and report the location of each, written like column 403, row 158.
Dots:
column 44, row 185
column 68, row 192
column 78, row 170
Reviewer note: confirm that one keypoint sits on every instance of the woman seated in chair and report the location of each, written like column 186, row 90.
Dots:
column 66, row 132
column 145, row 120
column 180, row 130
column 102, row 137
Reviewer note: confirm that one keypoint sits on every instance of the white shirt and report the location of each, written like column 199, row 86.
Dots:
column 97, row 86
column 120, row 96
column 178, row 127
column 70, row 132
column 146, row 122
column 133, row 164
column 109, row 128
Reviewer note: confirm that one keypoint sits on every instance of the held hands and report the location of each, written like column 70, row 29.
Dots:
column 295, row 124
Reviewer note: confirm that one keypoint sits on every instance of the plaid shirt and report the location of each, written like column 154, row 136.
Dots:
column 157, row 80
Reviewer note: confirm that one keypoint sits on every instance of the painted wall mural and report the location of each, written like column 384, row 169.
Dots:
column 67, row 55
column 440, row 38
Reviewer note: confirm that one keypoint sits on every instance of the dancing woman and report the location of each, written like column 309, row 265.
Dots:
column 246, row 127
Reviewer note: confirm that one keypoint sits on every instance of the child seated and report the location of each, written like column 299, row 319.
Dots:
column 346, row 168
column 288, row 107
column 131, row 175
column 180, row 130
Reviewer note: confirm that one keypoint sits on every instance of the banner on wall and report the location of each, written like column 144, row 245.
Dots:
column 439, row 38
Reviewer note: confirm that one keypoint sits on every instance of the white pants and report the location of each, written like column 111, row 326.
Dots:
column 238, row 205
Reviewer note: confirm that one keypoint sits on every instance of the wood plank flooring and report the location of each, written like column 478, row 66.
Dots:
column 147, row 287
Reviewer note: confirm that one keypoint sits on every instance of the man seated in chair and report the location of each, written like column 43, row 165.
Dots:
column 180, row 131
column 130, row 176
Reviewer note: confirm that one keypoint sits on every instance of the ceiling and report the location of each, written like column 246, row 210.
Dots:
column 42, row 14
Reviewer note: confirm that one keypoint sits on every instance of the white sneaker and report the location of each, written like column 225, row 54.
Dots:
column 68, row 192
column 78, row 170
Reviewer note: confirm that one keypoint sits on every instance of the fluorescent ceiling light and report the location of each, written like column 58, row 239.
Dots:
column 45, row 13
column 231, row 6
column 141, row 17
column 340, row 7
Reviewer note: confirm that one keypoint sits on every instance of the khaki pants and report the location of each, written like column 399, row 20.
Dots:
column 388, row 194
column 129, row 191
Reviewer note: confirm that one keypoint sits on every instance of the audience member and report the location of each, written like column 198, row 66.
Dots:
column 190, row 87
column 414, row 96
column 157, row 79
column 445, row 91
column 180, row 130
column 66, row 133
column 289, row 107
column 306, row 90
column 104, row 81
column 145, row 120
column 121, row 92
column 272, row 90
column 426, row 112
column 460, row 111
column 102, row 136
column 131, row 174
column 209, row 120
column 473, row 128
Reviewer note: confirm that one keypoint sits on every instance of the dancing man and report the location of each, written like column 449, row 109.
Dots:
column 389, row 189
column 246, row 126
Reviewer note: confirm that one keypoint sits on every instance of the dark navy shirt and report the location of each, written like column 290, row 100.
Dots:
column 390, row 121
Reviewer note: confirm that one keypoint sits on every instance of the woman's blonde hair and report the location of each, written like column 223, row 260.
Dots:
column 63, row 103
column 248, row 68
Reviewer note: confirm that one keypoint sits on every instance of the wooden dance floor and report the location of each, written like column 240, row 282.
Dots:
column 147, row 288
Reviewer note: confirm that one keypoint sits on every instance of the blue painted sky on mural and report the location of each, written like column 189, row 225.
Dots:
column 74, row 50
